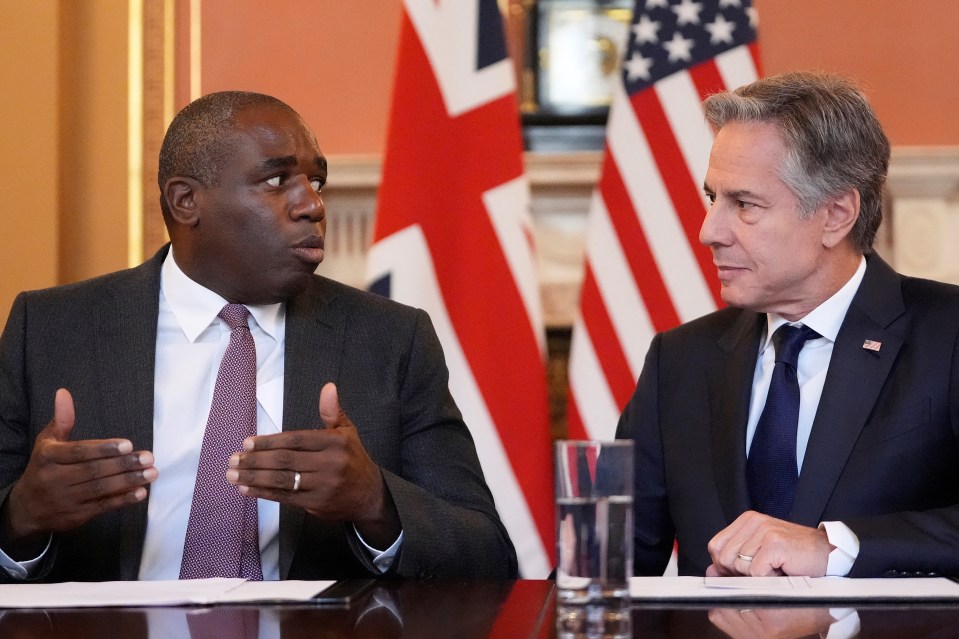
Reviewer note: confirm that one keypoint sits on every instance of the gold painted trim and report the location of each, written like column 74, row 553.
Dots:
column 169, row 61
column 195, row 35
column 135, row 133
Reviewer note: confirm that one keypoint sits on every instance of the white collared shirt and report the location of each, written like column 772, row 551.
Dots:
column 812, row 366
column 191, row 340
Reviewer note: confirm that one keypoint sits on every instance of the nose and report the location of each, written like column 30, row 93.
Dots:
column 307, row 203
column 711, row 232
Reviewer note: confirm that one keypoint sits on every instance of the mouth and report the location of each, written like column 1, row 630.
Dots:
column 310, row 249
column 725, row 271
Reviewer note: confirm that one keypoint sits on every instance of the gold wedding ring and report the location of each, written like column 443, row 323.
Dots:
column 296, row 486
column 741, row 556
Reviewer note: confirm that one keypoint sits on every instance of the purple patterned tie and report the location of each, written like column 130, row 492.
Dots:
column 222, row 539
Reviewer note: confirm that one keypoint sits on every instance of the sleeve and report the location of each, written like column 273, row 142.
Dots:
column 16, row 439
column 653, row 529
column 449, row 521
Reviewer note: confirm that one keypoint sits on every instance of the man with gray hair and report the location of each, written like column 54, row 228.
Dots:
column 811, row 428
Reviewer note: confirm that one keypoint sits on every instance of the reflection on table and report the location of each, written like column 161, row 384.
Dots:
column 793, row 622
column 475, row 610
column 465, row 610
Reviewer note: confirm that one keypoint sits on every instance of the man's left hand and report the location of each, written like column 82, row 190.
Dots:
column 757, row 545
column 337, row 479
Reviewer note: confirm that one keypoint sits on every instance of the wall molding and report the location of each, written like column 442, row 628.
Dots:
column 918, row 235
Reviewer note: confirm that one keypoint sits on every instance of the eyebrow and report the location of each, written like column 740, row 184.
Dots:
column 736, row 194
column 286, row 161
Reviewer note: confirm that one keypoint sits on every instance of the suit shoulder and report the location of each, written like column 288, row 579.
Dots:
column 363, row 302
column 710, row 327
column 89, row 290
column 917, row 290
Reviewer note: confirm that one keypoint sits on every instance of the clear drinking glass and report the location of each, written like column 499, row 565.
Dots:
column 594, row 520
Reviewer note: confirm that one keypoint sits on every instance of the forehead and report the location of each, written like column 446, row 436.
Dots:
column 272, row 131
column 746, row 152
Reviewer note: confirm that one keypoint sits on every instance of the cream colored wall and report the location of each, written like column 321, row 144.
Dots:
column 63, row 153
column 903, row 52
column 94, row 181
column 29, row 171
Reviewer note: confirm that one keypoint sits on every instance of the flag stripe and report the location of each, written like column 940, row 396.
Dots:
column 646, row 270
column 629, row 233
column 681, row 100
column 682, row 191
column 667, row 239
column 707, row 79
column 616, row 369
column 620, row 293
column 587, row 384
column 444, row 174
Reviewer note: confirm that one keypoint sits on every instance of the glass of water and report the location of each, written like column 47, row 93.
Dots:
column 594, row 520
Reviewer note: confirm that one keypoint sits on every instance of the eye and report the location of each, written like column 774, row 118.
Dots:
column 276, row 180
column 317, row 184
column 710, row 197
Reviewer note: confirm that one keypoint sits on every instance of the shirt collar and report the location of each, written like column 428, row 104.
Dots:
column 195, row 306
column 826, row 319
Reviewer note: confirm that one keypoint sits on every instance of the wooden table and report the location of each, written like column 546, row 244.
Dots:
column 469, row 610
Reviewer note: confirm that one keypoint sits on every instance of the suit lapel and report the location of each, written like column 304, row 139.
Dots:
column 126, row 328
column 730, row 382
column 314, row 345
column 855, row 377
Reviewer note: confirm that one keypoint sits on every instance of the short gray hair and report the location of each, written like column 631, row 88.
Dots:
column 833, row 139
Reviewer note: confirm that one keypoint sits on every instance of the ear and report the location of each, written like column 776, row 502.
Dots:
column 841, row 213
column 182, row 195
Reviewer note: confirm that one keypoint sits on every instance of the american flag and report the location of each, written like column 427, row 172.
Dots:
column 453, row 236
column 645, row 268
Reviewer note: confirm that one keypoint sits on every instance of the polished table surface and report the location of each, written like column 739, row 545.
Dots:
column 467, row 610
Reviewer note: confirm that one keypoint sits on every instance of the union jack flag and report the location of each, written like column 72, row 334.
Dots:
column 645, row 268
column 453, row 236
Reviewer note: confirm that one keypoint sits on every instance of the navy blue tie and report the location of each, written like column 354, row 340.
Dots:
column 771, row 468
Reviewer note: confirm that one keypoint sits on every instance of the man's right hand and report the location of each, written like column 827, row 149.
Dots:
column 66, row 483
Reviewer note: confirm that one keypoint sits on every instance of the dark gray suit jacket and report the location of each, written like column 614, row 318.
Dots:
column 98, row 339
column 883, row 455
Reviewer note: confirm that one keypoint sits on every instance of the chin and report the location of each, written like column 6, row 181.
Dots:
column 736, row 300
column 294, row 286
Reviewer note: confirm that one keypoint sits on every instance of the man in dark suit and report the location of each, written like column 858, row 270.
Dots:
column 374, row 471
column 867, row 482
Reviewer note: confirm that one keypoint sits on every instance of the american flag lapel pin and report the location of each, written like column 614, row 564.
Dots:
column 872, row 345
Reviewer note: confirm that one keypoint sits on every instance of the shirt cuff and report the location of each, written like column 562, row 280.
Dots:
column 382, row 559
column 846, row 624
column 844, row 555
column 23, row 570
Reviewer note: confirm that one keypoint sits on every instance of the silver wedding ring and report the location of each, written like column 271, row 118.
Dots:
column 296, row 486
column 741, row 556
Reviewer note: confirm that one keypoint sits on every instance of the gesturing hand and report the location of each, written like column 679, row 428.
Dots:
column 67, row 483
column 337, row 479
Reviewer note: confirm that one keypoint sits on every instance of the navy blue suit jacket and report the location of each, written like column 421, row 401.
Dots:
column 882, row 457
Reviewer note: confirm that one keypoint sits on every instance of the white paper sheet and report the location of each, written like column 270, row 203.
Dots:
column 779, row 588
column 155, row 593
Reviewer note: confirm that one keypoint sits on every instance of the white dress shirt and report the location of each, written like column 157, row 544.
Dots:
column 191, row 340
column 812, row 366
